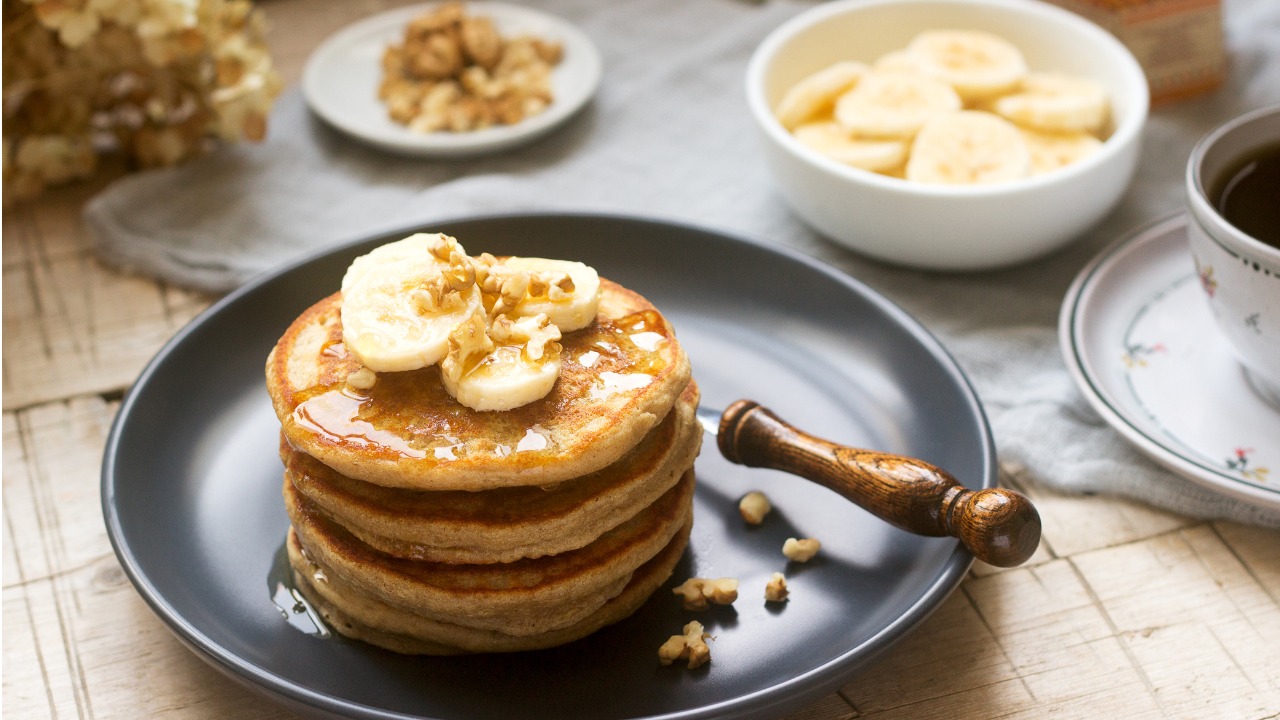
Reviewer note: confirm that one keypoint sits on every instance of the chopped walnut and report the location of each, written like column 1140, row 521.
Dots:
column 468, row 344
column 481, row 42
column 776, row 589
column 455, row 72
column 445, row 248
column 362, row 379
column 699, row 593
column 691, row 646
column 438, row 293
column 437, row 57
column 506, row 286
column 552, row 285
column 800, row 550
column 536, row 333
column 754, row 506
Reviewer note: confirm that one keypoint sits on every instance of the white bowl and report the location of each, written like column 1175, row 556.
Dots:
column 341, row 78
column 935, row 226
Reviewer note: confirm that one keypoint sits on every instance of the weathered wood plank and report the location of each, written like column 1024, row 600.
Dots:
column 946, row 668
column 832, row 707
column 1059, row 642
column 1203, row 630
column 53, row 516
column 86, row 646
column 1080, row 523
column 70, row 326
column 1258, row 550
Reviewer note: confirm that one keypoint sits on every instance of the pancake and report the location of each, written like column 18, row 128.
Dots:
column 505, row 524
column 354, row 614
column 619, row 378
column 521, row 598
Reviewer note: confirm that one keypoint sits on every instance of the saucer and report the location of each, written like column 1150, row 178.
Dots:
column 1139, row 340
column 341, row 78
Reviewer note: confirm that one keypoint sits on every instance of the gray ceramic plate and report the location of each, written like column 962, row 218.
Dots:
column 191, row 490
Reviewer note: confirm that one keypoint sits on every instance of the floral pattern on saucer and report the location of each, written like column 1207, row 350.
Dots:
column 1240, row 464
column 1140, row 340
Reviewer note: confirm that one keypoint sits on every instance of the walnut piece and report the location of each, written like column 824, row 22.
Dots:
column 700, row 593
column 691, row 646
column 800, row 550
column 506, row 286
column 437, row 293
column 776, row 589
column 455, row 73
column 481, row 42
column 535, row 333
column 469, row 343
column 754, row 506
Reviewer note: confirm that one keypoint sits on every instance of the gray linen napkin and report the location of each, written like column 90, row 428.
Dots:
column 669, row 135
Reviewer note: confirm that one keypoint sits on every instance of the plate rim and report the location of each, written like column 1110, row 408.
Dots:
column 808, row 685
column 1071, row 345
column 433, row 145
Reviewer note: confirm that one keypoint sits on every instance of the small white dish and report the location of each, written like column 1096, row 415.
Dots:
column 1140, row 342
column 341, row 78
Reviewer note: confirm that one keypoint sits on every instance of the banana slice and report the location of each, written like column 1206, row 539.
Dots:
column 816, row 93
column 415, row 248
column 569, row 306
column 897, row 61
column 832, row 140
column 968, row 147
column 510, row 364
column 893, row 104
column 977, row 64
column 1050, row 151
column 1057, row 103
column 398, row 306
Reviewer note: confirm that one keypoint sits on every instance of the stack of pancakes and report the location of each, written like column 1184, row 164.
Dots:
column 423, row 526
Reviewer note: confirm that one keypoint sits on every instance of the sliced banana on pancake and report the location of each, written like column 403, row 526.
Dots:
column 401, row 301
column 567, row 292
column 816, row 93
column 832, row 140
column 893, row 104
column 968, row 147
column 508, row 364
column 1057, row 103
column 977, row 64
column 1050, row 151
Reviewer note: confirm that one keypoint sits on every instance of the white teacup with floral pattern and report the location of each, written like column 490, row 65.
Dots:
column 1240, row 274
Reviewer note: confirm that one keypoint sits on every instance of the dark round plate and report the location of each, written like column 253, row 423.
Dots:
column 191, row 490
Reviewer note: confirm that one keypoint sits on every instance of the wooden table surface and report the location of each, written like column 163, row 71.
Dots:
column 1124, row 612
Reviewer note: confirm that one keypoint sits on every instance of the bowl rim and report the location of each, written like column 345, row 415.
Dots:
column 1125, row 134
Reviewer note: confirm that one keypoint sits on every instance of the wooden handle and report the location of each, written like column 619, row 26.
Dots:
column 998, row 526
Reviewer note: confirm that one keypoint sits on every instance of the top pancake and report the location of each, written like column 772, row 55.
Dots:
column 620, row 377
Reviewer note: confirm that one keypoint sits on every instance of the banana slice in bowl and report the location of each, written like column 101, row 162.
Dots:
column 817, row 93
column 1054, row 151
column 968, row 148
column 894, row 104
column 832, row 140
column 1057, row 103
column 977, row 64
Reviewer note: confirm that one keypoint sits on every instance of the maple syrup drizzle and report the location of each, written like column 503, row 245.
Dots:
column 334, row 414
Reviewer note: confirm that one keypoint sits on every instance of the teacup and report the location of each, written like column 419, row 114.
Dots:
column 1240, row 273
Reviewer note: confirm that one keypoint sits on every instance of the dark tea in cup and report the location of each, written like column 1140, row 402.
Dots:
column 1248, row 195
